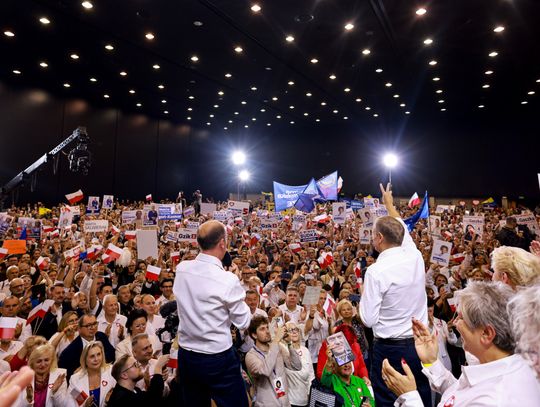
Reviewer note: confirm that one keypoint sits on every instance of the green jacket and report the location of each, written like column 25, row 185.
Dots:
column 351, row 393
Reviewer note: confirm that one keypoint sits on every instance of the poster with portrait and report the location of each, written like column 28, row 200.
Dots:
column 108, row 202
column 93, row 204
column 129, row 217
column 529, row 220
column 32, row 226
column 338, row 212
column 371, row 203
column 169, row 211
column 299, row 222
column 66, row 218
column 440, row 253
column 435, row 225
column 341, row 350
column 367, row 217
column 473, row 225
column 150, row 215
column 365, row 235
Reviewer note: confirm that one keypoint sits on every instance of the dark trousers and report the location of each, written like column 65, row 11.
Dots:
column 217, row 377
column 384, row 349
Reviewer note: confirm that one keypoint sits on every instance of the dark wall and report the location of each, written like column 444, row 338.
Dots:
column 134, row 155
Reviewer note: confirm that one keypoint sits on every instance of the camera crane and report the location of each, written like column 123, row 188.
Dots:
column 79, row 160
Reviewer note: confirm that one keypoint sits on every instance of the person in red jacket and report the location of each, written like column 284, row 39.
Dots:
column 360, row 369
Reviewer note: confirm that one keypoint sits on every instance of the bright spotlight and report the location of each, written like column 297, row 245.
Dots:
column 390, row 160
column 238, row 158
column 243, row 175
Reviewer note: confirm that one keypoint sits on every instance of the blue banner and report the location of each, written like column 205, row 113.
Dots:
column 285, row 196
column 306, row 200
column 328, row 186
column 352, row 203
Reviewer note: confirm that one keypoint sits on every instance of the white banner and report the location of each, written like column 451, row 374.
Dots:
column 187, row 235
column 239, row 207
column 309, row 235
column 440, row 254
column 96, row 226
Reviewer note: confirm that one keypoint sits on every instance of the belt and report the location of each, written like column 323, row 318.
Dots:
column 394, row 341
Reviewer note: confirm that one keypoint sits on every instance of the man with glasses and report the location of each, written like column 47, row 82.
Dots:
column 210, row 300
column 127, row 372
column 88, row 332
column 10, row 307
column 166, row 288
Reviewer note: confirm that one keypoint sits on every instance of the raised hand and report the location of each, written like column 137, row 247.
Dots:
column 425, row 342
column 398, row 383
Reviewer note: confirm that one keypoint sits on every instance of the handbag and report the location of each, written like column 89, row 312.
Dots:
column 321, row 396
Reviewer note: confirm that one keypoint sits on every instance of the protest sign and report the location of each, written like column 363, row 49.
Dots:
column 191, row 225
column 440, row 254
column 238, row 207
column 221, row 216
column 371, row 203
column 96, row 226
column 32, row 226
column 169, row 211
column 445, row 208
column 367, row 217
column 285, row 196
column 435, row 225
column 150, row 215
column 187, row 235
column 338, row 212
column 309, row 235
column 129, row 217
column 365, row 235
column 15, row 246
column 171, row 236
column 93, row 204
column 311, row 296
column 267, row 224
column 5, row 223
column 529, row 220
column 299, row 222
column 473, row 225
column 108, row 202
column 147, row 244
column 341, row 350
column 65, row 219
column 208, row 208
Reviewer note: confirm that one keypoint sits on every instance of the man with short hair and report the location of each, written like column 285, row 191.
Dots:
column 165, row 286
column 11, row 273
column 253, row 301
column 124, row 300
column 210, row 300
column 16, row 287
column 155, row 321
column 143, row 353
column 110, row 322
column 10, row 308
column 295, row 312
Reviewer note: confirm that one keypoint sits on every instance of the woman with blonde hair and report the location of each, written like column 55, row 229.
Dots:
column 299, row 381
column 345, row 311
column 93, row 377
column 49, row 387
column 68, row 330
column 20, row 359
column 514, row 266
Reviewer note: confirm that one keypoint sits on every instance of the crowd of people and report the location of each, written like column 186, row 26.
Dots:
column 225, row 318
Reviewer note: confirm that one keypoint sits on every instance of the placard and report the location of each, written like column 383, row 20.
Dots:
column 338, row 212
column 171, row 236
column 473, row 225
column 187, row 235
column 440, row 254
column 169, row 211
column 341, row 350
column 93, row 204
column 238, row 207
column 15, row 246
column 147, row 244
column 108, row 201
column 309, row 235
column 371, row 203
column 367, row 217
column 96, row 226
column 192, row 225
column 129, row 217
column 208, row 208
column 268, row 224
column 221, row 216
column 311, row 296
column 150, row 216
column 365, row 235
column 435, row 225
column 530, row 221
column 66, row 218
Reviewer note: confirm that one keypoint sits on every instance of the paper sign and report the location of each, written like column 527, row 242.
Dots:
column 150, row 216
column 129, row 217
column 367, row 217
column 15, row 246
column 169, row 211
column 309, row 235
column 93, row 204
column 371, row 203
column 192, row 225
column 208, row 208
column 238, row 207
column 147, row 244
column 435, row 225
column 221, row 216
column 440, row 254
column 171, row 236
column 268, row 225
column 338, row 212
column 96, row 226
column 311, row 296
column 530, row 221
column 187, row 235
column 473, row 225
column 108, row 202
column 341, row 350
column 365, row 235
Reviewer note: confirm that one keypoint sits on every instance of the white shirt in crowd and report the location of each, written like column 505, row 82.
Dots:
column 317, row 335
column 119, row 320
column 394, row 291
column 64, row 342
column 505, row 382
column 124, row 347
column 14, row 347
column 444, row 335
column 209, row 299
column 300, row 381
column 79, row 380
column 293, row 315
column 59, row 399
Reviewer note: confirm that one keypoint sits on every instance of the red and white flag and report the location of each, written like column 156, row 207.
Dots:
column 173, row 359
column 149, row 198
column 72, row 253
column 55, row 233
column 79, row 395
column 39, row 311
column 339, row 183
column 105, row 258
column 42, row 262
column 295, row 247
column 130, row 234
column 358, row 274
column 75, row 197
column 152, row 273
column 329, row 305
column 3, row 252
column 175, row 257
column 415, row 200
column 255, row 237
column 48, row 228
column 114, row 252
column 322, row 218
column 7, row 327
column 115, row 230
column 458, row 257
column 325, row 259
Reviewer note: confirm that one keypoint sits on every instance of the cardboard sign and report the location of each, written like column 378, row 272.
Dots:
column 108, row 202
column 473, row 225
column 371, row 203
column 96, row 226
column 15, row 246
column 367, row 217
column 440, row 254
column 365, row 235
column 221, row 216
column 530, row 221
column 311, row 296
column 309, row 235
column 169, row 211
column 171, row 236
column 341, row 349
column 208, row 208
column 338, row 212
column 93, row 204
column 268, row 225
column 238, row 207
column 187, row 235
column 191, row 225
column 147, row 244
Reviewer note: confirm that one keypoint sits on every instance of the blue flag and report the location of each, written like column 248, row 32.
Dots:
column 308, row 197
column 328, row 186
column 23, row 234
column 423, row 213
column 285, row 196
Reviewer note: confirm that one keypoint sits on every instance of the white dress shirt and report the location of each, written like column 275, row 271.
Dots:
column 505, row 382
column 394, row 291
column 209, row 299
column 293, row 315
column 119, row 320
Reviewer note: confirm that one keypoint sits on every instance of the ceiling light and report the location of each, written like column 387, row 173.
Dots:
column 345, row 118
column 191, row 97
column 190, row 109
column 188, row 118
column 230, row 121
column 132, row 91
column 291, row 107
column 407, row 112
column 524, row 102
column 87, row 5
column 9, row 33
column 366, row 51
column 428, row 41
column 156, row 66
column 402, row 105
column 243, row 102
column 308, row 95
column 194, row 58
column 278, row 116
column 138, row 105
column 292, row 122
column 197, row 23
column 493, row 54
column 253, row 88
column 375, row 115
column 67, row 85
column 436, row 79
column 443, row 109
column 441, row 101
column 314, row 60
column 74, row 56
column 268, row 124
column 274, row 98
column 109, row 47
column 267, row 68
column 16, row 72
column 238, row 49
column 396, row 95
column 44, row 20
column 358, row 100
column 149, row 36
column 499, row 29
column 211, row 115
column 347, row 89
column 485, row 86
column 368, row 108
column 289, row 38
column 255, row 8
column 488, row 72
column 228, row 75
column 290, row 83
column 433, row 62
column 253, row 119
column 332, row 76
column 421, row 11
column 323, row 103
column 317, row 120
column 538, row 80
column 166, row 111
column 236, row 113
column 123, row 73
column 106, row 96
column 164, row 101
column 378, row 70
column 161, row 87
column 335, row 111
column 481, row 106
column 388, row 84
column 43, row 64
column 263, row 110
column 306, row 114
column 246, row 126
column 438, row 91
column 532, row 92
column 93, row 79
column 349, row 26
column 221, row 93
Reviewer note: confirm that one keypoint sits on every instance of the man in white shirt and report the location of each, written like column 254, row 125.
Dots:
column 295, row 312
column 110, row 322
column 10, row 307
column 143, row 353
column 393, row 293
column 210, row 299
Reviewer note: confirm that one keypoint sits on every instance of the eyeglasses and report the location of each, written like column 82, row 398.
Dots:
column 293, row 330
column 92, row 325
column 135, row 364
column 140, row 326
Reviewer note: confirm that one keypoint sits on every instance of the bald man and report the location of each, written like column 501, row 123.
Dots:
column 210, row 300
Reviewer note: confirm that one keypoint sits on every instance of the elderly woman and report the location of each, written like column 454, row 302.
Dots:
column 20, row 359
column 68, row 330
column 345, row 310
column 501, row 379
column 299, row 381
column 515, row 266
column 49, row 387
column 93, row 377
column 136, row 324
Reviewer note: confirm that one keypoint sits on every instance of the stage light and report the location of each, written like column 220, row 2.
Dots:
column 238, row 158
column 390, row 160
column 243, row 175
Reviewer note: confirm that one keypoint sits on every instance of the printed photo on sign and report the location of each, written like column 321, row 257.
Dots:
column 371, row 203
column 169, row 211
column 473, row 225
column 171, row 236
column 440, row 254
column 435, row 225
column 365, row 235
column 108, row 202
column 65, row 219
column 367, row 217
column 129, row 217
column 309, row 235
column 529, row 220
column 299, row 222
column 341, row 350
column 238, row 207
column 338, row 212
column 93, row 204
column 150, row 216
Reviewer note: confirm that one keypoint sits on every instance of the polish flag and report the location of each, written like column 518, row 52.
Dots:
column 75, row 197
column 3, row 252
column 114, row 230
column 79, row 395
column 105, row 258
column 458, row 257
column 114, row 252
column 415, row 200
column 39, row 311
column 55, row 233
column 130, row 234
column 322, row 218
column 7, row 327
column 452, row 303
column 173, row 359
column 339, row 183
column 358, row 274
column 255, row 237
column 93, row 251
column 325, row 259
column 152, row 273
column 48, row 229
column 175, row 257
column 72, row 253
column 329, row 305
column 295, row 247
column 149, row 198
column 42, row 262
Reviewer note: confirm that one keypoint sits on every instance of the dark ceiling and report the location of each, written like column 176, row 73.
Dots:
column 275, row 82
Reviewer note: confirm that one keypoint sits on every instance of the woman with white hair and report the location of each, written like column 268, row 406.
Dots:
column 501, row 379
column 299, row 381
column 514, row 266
